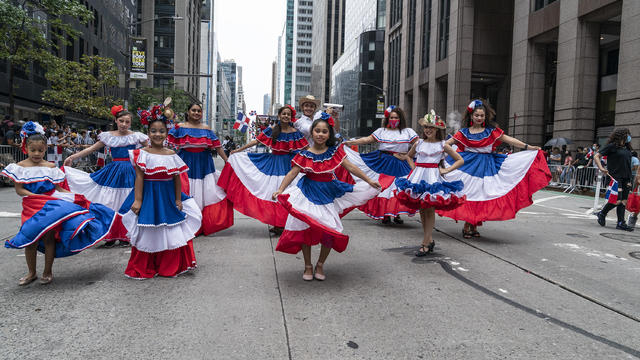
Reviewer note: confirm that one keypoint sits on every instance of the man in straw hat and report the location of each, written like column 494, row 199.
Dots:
column 308, row 105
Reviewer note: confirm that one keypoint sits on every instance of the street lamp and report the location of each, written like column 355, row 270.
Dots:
column 127, row 75
column 384, row 93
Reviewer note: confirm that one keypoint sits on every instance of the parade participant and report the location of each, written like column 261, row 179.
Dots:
column 162, row 221
column 497, row 186
column 317, row 201
column 308, row 105
column 426, row 188
column 54, row 221
column 395, row 139
column 194, row 140
column 112, row 184
column 618, row 153
column 251, row 178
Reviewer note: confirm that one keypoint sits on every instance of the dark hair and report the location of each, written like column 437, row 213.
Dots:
column 159, row 118
column 403, row 118
column 186, row 114
column 277, row 129
column 331, row 141
column 634, row 153
column 36, row 137
column 580, row 148
column 121, row 114
column 489, row 114
column 620, row 135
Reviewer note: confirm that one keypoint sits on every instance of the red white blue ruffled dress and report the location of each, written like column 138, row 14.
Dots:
column 194, row 147
column 77, row 223
column 317, row 201
column 250, row 179
column 382, row 163
column 425, row 187
column 160, row 234
column 112, row 184
column 497, row 186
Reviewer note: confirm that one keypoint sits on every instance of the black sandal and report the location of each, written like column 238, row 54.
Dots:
column 467, row 234
column 475, row 234
column 425, row 249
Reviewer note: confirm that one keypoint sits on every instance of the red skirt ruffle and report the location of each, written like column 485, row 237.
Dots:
column 216, row 217
column 379, row 207
column 168, row 263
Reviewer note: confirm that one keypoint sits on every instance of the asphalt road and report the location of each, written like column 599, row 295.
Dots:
column 551, row 284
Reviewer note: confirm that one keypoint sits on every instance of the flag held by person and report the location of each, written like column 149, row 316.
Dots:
column 242, row 122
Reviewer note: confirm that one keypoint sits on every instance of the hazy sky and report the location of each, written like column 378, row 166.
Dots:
column 248, row 32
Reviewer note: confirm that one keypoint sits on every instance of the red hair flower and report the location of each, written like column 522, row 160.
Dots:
column 293, row 111
column 115, row 110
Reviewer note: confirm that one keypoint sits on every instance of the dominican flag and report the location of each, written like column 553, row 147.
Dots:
column 589, row 154
column 242, row 122
column 612, row 192
column 253, row 113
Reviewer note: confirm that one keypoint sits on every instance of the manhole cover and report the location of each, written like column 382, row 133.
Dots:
column 580, row 236
column 635, row 254
column 622, row 237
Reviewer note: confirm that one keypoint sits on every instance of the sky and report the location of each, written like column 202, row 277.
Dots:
column 247, row 31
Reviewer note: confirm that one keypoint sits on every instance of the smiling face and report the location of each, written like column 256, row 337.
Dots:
column 36, row 150
column 195, row 113
column 320, row 133
column 429, row 132
column 478, row 117
column 157, row 133
column 123, row 123
column 285, row 116
column 308, row 108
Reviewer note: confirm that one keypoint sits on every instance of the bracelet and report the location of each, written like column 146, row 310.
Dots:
column 526, row 146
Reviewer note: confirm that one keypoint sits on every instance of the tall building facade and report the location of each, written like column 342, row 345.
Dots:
column 302, row 45
column 105, row 35
column 327, row 44
column 356, row 77
column 175, row 48
column 266, row 104
column 551, row 68
column 208, row 63
column 231, row 75
column 241, row 105
column 274, row 88
column 224, row 96
column 287, row 53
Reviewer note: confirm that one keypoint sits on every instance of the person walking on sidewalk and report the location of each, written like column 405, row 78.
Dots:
column 618, row 153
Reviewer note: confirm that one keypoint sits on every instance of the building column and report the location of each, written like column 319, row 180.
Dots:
column 433, row 101
column 460, row 55
column 628, row 92
column 577, row 79
column 526, row 106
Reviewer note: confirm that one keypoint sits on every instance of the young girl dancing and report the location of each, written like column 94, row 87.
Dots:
column 162, row 220
column 194, row 140
column 317, row 201
column 251, row 178
column 112, row 184
column 54, row 221
column 426, row 189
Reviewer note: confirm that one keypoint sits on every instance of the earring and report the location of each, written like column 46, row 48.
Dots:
column 483, row 124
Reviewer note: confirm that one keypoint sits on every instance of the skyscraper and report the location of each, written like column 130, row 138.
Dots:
column 208, row 62
column 328, row 43
column 302, row 35
column 287, row 53
column 230, row 72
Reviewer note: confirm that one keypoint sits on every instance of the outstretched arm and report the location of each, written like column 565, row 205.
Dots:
column 88, row 151
column 362, row 141
column 357, row 172
column 517, row 143
column 295, row 170
column 246, row 146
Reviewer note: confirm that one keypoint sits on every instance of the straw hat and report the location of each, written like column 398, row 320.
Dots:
column 433, row 120
column 308, row 99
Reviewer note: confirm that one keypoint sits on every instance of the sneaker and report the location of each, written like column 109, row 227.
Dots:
column 632, row 220
column 623, row 226
column 601, row 218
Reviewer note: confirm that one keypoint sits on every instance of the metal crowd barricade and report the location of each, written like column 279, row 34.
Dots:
column 562, row 177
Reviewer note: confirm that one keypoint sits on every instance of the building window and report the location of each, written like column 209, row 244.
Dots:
column 382, row 14
column 426, row 33
column 411, row 41
column 394, row 70
column 395, row 15
column 443, row 38
column 372, row 46
column 372, row 65
column 539, row 4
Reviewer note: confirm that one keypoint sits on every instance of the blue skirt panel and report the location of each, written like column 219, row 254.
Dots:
column 387, row 164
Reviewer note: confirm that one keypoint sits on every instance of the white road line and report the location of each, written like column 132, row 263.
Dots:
column 549, row 198
column 503, row 291
column 589, row 252
column 9, row 214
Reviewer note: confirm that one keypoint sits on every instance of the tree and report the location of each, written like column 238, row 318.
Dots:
column 31, row 29
column 81, row 87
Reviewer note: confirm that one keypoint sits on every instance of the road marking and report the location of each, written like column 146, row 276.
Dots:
column 532, row 213
column 589, row 252
column 503, row 291
column 549, row 198
column 461, row 269
column 9, row 214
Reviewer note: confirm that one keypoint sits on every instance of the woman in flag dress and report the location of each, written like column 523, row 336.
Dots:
column 395, row 139
column 194, row 142
column 497, row 186
column 251, row 178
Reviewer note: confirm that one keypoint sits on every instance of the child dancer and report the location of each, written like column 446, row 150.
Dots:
column 395, row 139
column 162, row 221
column 194, row 141
column 317, row 201
column 54, row 221
column 112, row 184
column 251, row 178
column 426, row 189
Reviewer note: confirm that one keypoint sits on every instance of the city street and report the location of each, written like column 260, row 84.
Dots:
column 550, row 284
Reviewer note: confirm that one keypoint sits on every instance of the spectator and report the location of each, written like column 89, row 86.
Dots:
column 554, row 163
column 634, row 164
column 565, row 176
column 9, row 137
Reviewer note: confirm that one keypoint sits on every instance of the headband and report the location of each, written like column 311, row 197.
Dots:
column 115, row 110
column 293, row 111
column 28, row 129
column 388, row 110
column 473, row 105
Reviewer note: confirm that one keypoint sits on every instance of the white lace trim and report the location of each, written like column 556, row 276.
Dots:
column 26, row 175
column 156, row 164
column 110, row 140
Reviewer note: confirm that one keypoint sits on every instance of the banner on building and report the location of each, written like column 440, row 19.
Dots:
column 138, row 58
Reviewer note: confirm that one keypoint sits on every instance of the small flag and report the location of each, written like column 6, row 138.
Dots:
column 612, row 192
column 252, row 113
column 589, row 154
column 242, row 122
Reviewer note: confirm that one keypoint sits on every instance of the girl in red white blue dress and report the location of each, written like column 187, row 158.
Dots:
column 250, row 179
column 162, row 221
column 497, row 186
column 194, row 141
column 426, row 188
column 54, row 221
column 112, row 184
column 395, row 139
column 317, row 200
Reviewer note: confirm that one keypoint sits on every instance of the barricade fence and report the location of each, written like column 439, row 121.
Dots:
column 13, row 154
